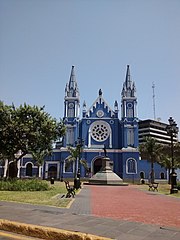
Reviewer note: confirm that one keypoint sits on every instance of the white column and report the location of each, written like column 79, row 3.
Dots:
column 58, row 170
column 66, row 109
column 78, row 110
column 135, row 109
column 18, row 167
column 89, row 139
column 125, row 115
column 5, row 168
column 110, row 140
column 40, row 171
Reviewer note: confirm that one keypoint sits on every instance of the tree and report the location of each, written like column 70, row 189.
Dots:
column 27, row 129
column 166, row 157
column 6, row 125
column 150, row 150
column 75, row 154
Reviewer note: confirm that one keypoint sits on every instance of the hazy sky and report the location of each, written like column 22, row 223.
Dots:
column 41, row 39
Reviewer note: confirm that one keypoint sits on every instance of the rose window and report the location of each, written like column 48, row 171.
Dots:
column 100, row 131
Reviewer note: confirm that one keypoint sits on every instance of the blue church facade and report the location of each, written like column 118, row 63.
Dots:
column 99, row 127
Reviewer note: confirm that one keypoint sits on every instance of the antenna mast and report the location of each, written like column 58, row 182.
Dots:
column 154, row 109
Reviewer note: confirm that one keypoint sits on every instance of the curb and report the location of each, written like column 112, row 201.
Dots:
column 45, row 232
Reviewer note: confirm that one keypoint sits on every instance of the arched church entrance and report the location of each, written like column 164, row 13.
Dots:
column 97, row 165
column 52, row 172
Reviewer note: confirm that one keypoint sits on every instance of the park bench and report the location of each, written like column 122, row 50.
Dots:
column 70, row 190
column 153, row 186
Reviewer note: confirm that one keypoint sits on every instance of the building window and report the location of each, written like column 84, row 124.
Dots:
column 70, row 136
column 68, row 167
column 70, row 112
column 162, row 175
column 29, row 169
column 130, row 137
column 52, row 172
column 131, row 166
column 142, row 175
column 130, row 113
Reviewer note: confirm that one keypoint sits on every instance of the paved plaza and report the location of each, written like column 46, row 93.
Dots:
column 117, row 212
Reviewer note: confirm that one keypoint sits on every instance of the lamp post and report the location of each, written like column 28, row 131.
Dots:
column 172, row 130
column 59, row 145
column 79, row 144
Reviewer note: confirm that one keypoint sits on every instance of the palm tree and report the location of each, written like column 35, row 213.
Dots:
column 39, row 156
column 177, row 155
column 151, row 150
column 75, row 154
column 166, row 158
column 166, row 162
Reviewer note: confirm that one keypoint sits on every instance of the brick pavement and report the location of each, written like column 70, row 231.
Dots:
column 132, row 204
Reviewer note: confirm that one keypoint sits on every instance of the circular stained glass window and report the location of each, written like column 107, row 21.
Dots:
column 100, row 113
column 100, row 131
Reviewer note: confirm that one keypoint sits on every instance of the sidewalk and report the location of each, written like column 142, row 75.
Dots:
column 122, row 213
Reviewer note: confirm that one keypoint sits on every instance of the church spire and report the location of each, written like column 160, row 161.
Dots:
column 72, row 88
column 72, row 80
column 128, row 78
column 72, row 101
column 128, row 86
column 128, row 100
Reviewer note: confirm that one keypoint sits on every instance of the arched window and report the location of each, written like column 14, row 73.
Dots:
column 162, row 175
column 29, row 169
column 70, row 136
column 68, row 167
column 142, row 175
column 131, row 166
column 70, row 112
column 130, row 137
column 130, row 113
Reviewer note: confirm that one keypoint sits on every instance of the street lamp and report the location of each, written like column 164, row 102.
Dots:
column 172, row 130
column 59, row 145
column 79, row 144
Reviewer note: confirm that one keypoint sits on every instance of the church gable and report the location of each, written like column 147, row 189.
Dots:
column 100, row 109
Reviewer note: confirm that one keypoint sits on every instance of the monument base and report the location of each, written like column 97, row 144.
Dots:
column 106, row 176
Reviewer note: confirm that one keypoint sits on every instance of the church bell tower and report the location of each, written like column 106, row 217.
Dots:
column 71, row 109
column 129, row 113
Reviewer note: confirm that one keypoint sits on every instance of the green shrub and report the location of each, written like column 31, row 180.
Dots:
column 23, row 185
column 178, row 185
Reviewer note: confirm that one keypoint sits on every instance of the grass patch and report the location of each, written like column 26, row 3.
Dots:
column 51, row 197
column 24, row 185
column 163, row 188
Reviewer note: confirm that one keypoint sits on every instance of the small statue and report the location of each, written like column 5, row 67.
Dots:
column 100, row 92
column 105, row 152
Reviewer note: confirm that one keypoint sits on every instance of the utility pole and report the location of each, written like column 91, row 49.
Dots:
column 154, row 107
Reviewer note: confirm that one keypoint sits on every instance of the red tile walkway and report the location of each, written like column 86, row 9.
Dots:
column 132, row 204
